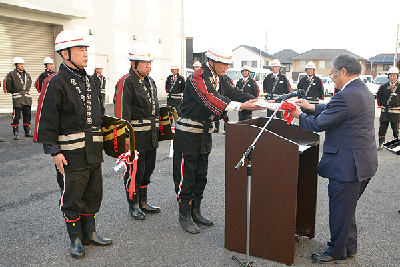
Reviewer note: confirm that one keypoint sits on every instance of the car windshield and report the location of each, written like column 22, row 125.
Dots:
column 234, row 75
column 324, row 80
column 381, row 80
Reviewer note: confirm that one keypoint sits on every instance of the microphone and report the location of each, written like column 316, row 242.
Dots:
column 299, row 93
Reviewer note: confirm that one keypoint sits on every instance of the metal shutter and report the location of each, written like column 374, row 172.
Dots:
column 33, row 41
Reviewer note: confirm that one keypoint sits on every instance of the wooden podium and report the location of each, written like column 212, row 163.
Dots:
column 283, row 187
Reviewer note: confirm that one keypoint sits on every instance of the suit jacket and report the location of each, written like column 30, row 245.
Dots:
column 349, row 152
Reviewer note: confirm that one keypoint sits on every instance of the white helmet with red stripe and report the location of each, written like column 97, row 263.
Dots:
column 220, row 54
column 275, row 63
column 393, row 70
column 69, row 38
column 140, row 52
column 197, row 64
column 310, row 65
column 48, row 60
column 98, row 66
column 18, row 60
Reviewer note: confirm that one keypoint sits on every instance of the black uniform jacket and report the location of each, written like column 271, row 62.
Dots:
column 101, row 81
column 389, row 112
column 61, row 118
column 282, row 86
column 19, row 88
column 201, row 105
column 132, row 104
column 250, row 86
column 316, row 90
column 41, row 78
column 174, row 89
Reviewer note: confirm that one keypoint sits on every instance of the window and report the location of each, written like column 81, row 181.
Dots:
column 251, row 64
column 386, row 67
column 287, row 67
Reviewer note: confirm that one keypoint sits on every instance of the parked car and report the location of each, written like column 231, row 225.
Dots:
column 378, row 81
column 366, row 78
column 259, row 75
column 329, row 86
column 234, row 74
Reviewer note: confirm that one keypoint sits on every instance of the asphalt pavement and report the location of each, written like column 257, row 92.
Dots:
column 33, row 232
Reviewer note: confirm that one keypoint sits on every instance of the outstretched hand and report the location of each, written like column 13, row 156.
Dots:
column 249, row 105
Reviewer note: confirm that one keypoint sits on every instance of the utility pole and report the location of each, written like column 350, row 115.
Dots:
column 266, row 38
column 183, row 51
column 397, row 45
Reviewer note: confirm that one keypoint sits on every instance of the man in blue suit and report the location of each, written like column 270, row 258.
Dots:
column 349, row 157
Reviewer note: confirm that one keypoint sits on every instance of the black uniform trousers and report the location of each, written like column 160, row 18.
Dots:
column 343, row 197
column 26, row 115
column 190, row 175
column 83, row 192
column 383, row 126
column 145, row 167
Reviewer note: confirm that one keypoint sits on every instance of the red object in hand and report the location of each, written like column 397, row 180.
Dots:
column 287, row 106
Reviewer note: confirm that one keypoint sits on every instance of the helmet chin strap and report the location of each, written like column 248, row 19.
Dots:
column 70, row 60
column 212, row 68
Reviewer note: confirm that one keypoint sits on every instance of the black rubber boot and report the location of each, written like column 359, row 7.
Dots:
column 196, row 213
column 185, row 217
column 89, row 236
column 27, row 130
column 15, row 132
column 381, row 141
column 134, row 209
column 144, row 206
column 75, row 232
column 216, row 125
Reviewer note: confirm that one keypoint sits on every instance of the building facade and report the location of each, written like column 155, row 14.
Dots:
column 28, row 29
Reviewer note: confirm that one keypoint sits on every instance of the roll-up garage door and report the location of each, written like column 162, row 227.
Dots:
column 33, row 41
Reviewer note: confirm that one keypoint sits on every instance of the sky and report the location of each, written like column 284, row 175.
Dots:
column 366, row 28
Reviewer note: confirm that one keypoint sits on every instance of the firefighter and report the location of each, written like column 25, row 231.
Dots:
column 388, row 97
column 247, row 85
column 207, row 95
column 174, row 87
column 100, row 79
column 136, row 101
column 49, row 65
column 196, row 66
column 312, row 86
column 68, row 123
column 275, row 84
column 18, row 83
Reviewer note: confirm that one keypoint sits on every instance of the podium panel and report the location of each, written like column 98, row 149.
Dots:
column 283, row 188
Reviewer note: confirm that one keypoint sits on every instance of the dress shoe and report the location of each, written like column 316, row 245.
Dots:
column 399, row 211
column 324, row 258
column 1, row 140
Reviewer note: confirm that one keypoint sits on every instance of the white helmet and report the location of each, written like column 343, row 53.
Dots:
column 245, row 67
column 67, row 39
column 18, row 60
column 98, row 66
column 174, row 67
column 393, row 70
column 48, row 60
column 140, row 52
column 310, row 65
column 197, row 64
column 220, row 54
column 275, row 63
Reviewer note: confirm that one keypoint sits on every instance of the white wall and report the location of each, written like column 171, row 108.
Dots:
column 113, row 24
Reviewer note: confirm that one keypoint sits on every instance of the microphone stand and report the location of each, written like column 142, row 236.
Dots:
column 248, row 155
